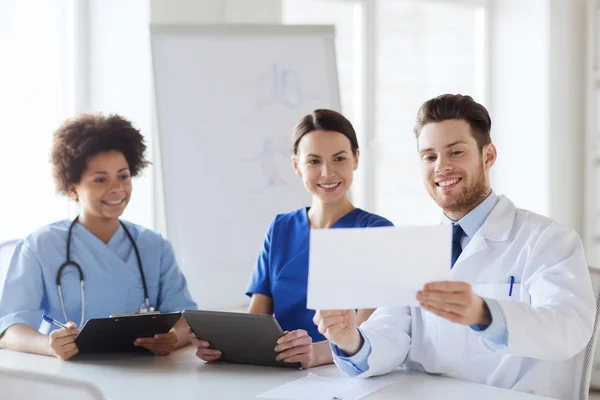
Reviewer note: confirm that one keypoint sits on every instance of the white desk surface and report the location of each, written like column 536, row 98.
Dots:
column 182, row 375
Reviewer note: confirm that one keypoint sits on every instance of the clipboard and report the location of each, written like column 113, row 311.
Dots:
column 242, row 338
column 117, row 334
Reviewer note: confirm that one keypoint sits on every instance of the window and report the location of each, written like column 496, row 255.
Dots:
column 47, row 49
column 35, row 98
column 420, row 49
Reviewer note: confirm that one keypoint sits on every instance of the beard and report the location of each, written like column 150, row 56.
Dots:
column 473, row 192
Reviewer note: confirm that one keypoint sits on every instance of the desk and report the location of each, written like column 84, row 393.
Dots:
column 182, row 376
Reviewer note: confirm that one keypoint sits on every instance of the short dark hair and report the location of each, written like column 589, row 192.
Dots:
column 457, row 106
column 86, row 135
column 324, row 120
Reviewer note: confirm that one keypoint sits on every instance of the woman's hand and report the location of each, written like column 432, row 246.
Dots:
column 202, row 350
column 162, row 344
column 296, row 346
column 62, row 342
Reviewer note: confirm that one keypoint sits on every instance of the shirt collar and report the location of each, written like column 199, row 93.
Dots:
column 474, row 220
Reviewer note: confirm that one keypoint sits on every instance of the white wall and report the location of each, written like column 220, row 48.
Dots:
column 536, row 104
column 567, row 111
column 519, row 106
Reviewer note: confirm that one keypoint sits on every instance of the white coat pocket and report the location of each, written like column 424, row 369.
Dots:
column 501, row 291
column 495, row 291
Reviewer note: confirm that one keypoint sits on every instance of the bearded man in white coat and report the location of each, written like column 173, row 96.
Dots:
column 519, row 310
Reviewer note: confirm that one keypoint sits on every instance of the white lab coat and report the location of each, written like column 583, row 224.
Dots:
column 549, row 316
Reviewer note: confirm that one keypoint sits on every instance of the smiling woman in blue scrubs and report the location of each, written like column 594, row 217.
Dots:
column 94, row 158
column 325, row 156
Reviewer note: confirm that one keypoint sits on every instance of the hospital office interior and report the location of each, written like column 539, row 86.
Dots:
column 534, row 64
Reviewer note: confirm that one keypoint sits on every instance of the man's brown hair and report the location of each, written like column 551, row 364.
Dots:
column 456, row 106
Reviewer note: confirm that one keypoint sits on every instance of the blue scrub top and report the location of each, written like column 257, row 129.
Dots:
column 113, row 283
column 281, row 271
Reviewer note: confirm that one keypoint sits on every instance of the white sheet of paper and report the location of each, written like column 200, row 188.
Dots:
column 375, row 267
column 316, row 387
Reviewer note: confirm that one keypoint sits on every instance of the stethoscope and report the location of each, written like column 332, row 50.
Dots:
column 144, row 307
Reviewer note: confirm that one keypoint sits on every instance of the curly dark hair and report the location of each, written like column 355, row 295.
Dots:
column 86, row 135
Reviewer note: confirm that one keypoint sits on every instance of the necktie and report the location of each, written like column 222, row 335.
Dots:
column 457, row 233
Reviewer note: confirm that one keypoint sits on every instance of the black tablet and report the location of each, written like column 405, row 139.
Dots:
column 116, row 335
column 242, row 338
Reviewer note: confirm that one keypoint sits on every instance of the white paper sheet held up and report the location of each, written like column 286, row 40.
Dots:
column 316, row 387
column 375, row 267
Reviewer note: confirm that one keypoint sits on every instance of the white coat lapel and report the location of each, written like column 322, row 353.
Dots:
column 476, row 245
column 496, row 227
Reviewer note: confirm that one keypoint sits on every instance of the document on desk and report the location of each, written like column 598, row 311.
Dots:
column 316, row 387
column 375, row 267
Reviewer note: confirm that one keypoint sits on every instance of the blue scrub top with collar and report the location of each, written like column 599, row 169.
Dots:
column 113, row 283
column 281, row 271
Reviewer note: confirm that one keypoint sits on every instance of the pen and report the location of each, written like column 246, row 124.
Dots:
column 512, row 282
column 51, row 320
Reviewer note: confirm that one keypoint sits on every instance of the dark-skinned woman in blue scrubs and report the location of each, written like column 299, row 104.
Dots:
column 325, row 155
